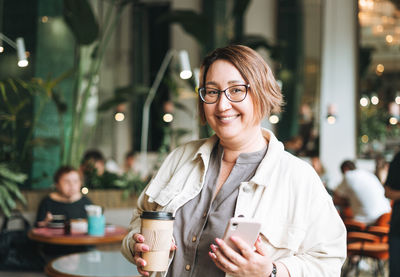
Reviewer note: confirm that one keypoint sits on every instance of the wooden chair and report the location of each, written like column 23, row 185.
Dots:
column 367, row 242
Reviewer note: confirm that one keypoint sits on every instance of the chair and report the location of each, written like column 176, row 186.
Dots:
column 365, row 241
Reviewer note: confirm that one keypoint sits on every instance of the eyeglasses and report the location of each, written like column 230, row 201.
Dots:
column 234, row 93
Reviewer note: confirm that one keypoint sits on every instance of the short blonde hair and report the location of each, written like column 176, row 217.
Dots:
column 265, row 91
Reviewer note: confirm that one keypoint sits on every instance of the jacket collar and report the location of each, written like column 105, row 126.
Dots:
column 270, row 161
column 267, row 165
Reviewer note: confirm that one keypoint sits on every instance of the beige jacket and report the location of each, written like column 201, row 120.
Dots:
column 300, row 224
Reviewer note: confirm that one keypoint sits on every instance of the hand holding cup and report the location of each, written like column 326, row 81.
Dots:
column 154, row 242
column 141, row 247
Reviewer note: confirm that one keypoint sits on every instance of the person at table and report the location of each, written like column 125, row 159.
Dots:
column 95, row 170
column 242, row 170
column 392, row 191
column 363, row 191
column 66, row 200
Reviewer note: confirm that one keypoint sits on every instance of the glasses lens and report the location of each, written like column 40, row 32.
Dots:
column 237, row 93
column 209, row 95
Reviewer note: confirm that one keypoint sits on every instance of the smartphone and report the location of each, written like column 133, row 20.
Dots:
column 245, row 228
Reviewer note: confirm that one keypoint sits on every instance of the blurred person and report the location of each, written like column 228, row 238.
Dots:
column 241, row 170
column 93, row 160
column 320, row 169
column 94, row 172
column 294, row 145
column 364, row 193
column 392, row 191
column 67, row 201
column 381, row 168
column 129, row 162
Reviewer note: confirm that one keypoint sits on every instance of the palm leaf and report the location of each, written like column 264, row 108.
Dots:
column 80, row 18
column 193, row 23
column 9, row 204
column 13, row 188
column 16, row 177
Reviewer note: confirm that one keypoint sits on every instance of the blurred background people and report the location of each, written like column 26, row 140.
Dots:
column 94, row 170
column 93, row 160
column 364, row 193
column 129, row 162
column 392, row 191
column 66, row 200
column 381, row 168
column 65, row 203
column 319, row 168
column 294, row 145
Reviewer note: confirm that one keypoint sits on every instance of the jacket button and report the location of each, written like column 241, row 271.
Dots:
column 194, row 238
column 187, row 267
column 247, row 189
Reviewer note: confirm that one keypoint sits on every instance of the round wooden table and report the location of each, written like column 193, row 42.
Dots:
column 113, row 234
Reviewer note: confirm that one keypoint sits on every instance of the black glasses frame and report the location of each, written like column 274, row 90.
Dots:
column 247, row 86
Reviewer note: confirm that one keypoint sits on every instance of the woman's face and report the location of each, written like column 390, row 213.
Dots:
column 229, row 120
column 69, row 184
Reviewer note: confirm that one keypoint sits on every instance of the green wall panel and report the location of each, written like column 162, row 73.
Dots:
column 54, row 56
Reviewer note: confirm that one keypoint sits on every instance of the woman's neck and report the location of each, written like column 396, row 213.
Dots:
column 233, row 149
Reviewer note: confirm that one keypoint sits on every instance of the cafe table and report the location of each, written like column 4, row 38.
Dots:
column 113, row 234
column 93, row 264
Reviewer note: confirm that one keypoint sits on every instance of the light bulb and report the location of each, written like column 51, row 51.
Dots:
column 374, row 100
column 168, row 117
column 364, row 101
column 274, row 119
column 119, row 117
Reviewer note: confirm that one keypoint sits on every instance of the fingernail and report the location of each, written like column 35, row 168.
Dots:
column 212, row 255
column 217, row 240
column 259, row 239
column 233, row 238
column 213, row 247
column 145, row 248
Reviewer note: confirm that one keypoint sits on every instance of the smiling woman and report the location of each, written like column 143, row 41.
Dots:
column 242, row 170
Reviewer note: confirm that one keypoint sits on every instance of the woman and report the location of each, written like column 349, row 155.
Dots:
column 66, row 200
column 242, row 170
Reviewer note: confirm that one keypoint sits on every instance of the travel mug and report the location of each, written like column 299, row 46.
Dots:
column 157, row 228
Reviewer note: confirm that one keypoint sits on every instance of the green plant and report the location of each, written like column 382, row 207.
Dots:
column 131, row 183
column 9, row 190
column 375, row 130
column 16, row 121
column 92, row 41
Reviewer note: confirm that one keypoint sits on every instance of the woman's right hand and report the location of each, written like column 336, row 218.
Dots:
column 46, row 220
column 141, row 247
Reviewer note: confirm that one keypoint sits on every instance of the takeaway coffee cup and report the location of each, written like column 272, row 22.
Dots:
column 157, row 230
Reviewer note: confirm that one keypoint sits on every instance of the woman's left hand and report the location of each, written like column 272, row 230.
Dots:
column 247, row 263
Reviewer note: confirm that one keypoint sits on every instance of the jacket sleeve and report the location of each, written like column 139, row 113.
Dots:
column 145, row 204
column 323, row 249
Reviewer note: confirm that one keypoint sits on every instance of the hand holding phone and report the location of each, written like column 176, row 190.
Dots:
column 245, row 228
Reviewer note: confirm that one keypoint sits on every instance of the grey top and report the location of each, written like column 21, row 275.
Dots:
column 201, row 220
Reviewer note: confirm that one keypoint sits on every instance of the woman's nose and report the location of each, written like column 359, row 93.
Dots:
column 223, row 102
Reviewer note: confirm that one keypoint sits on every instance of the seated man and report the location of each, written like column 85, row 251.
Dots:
column 364, row 192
